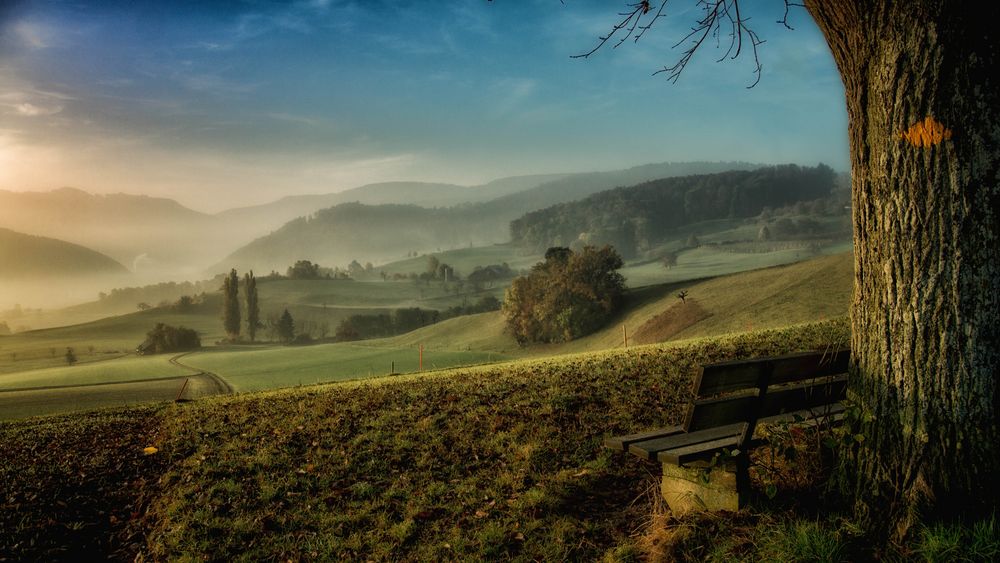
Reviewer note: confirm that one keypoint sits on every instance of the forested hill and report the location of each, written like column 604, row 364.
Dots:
column 644, row 214
column 24, row 255
column 355, row 231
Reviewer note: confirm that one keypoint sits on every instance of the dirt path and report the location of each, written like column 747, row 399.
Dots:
column 53, row 399
column 223, row 386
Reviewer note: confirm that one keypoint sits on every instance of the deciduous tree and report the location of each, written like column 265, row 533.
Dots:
column 923, row 108
column 567, row 296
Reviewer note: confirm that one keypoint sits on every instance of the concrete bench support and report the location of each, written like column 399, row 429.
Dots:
column 689, row 489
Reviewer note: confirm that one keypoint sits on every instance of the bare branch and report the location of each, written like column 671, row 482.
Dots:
column 633, row 16
column 639, row 17
column 784, row 19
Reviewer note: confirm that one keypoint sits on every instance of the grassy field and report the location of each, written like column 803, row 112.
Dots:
column 464, row 260
column 769, row 298
column 809, row 291
column 498, row 462
column 31, row 402
column 248, row 369
column 483, row 463
column 128, row 368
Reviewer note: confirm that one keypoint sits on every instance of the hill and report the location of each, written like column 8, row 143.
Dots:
column 272, row 215
column 380, row 233
column 28, row 256
column 638, row 217
column 488, row 463
column 768, row 298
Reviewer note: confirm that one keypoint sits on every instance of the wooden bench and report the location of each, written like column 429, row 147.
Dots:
column 705, row 459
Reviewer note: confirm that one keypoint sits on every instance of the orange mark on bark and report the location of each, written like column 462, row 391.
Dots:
column 926, row 133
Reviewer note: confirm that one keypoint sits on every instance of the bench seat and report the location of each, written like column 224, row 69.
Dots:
column 731, row 400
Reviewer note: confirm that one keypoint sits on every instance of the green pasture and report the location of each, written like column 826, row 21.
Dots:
column 117, row 370
column 808, row 291
column 464, row 260
column 707, row 262
column 288, row 366
column 98, row 340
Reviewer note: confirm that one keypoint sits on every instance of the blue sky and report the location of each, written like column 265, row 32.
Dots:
column 221, row 104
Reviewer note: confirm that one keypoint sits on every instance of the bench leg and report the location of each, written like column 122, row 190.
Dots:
column 701, row 489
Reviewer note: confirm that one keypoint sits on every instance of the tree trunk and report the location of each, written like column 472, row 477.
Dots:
column 923, row 102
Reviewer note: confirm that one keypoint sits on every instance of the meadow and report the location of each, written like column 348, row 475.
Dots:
column 489, row 462
column 809, row 291
column 251, row 369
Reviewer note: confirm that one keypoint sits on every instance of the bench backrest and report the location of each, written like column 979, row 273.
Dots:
column 746, row 391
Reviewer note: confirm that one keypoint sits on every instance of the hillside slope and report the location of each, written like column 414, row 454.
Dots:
column 499, row 462
column 775, row 297
column 353, row 231
column 23, row 255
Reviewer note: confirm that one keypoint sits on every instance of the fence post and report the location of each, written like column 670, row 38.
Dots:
column 183, row 387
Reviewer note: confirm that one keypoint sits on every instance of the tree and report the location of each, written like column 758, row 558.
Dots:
column 165, row 338
column 669, row 260
column 231, row 305
column 286, row 327
column 253, row 307
column 432, row 265
column 70, row 357
column 764, row 234
column 923, row 113
column 303, row 270
column 143, row 306
column 567, row 296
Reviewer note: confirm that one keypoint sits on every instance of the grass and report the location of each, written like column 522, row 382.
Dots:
column 481, row 463
column 248, row 369
column 119, row 370
column 706, row 262
column 769, row 298
column 464, row 260
column 814, row 290
column 489, row 462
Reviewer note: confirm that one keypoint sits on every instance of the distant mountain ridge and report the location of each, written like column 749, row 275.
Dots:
column 346, row 232
column 159, row 237
column 29, row 256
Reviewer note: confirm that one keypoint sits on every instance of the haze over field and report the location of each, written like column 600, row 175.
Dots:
column 169, row 136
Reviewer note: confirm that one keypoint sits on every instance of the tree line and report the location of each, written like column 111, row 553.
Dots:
column 634, row 218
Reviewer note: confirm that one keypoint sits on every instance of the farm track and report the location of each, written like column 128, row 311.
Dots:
column 221, row 384
column 53, row 399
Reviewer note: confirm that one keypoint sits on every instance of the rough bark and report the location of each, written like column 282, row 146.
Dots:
column 923, row 105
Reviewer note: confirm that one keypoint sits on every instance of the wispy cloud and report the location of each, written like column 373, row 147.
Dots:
column 33, row 36
column 510, row 94
column 215, row 85
column 298, row 119
column 31, row 110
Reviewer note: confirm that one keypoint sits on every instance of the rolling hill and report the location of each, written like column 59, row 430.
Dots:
column 29, row 256
column 814, row 290
column 379, row 233
column 272, row 215
column 159, row 238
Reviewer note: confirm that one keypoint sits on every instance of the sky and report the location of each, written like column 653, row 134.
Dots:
column 232, row 103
